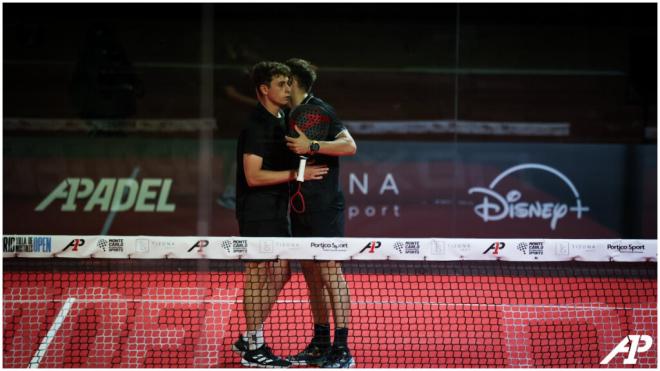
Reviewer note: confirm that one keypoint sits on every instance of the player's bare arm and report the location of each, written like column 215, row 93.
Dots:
column 258, row 177
column 342, row 145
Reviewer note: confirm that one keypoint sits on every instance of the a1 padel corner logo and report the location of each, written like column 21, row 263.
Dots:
column 495, row 247
column 630, row 345
column 200, row 245
column 371, row 247
column 74, row 244
column 495, row 206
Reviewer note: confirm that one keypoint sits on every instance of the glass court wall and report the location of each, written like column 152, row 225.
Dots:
column 472, row 120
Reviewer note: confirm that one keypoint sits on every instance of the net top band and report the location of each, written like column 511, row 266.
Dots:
column 320, row 248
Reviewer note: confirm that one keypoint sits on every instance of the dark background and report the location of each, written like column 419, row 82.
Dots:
column 590, row 66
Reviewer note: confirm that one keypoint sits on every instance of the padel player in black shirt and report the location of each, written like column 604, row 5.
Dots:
column 262, row 173
column 263, row 137
column 323, row 217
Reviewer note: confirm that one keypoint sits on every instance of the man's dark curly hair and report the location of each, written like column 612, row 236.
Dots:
column 263, row 72
column 303, row 71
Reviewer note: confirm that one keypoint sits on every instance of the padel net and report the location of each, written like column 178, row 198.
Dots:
column 149, row 301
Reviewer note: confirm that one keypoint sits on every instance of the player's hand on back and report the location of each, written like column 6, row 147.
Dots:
column 299, row 145
column 315, row 172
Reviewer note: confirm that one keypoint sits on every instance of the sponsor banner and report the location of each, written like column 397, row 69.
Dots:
column 110, row 194
column 495, row 207
column 372, row 248
column 453, row 249
column 323, row 249
column 34, row 245
column 628, row 250
column 518, row 190
column 274, row 248
column 150, row 247
column 409, row 248
column 391, row 189
column 107, row 247
column 192, row 247
column 225, row 248
column 390, row 248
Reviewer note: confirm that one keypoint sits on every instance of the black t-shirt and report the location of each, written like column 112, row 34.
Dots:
column 325, row 194
column 264, row 137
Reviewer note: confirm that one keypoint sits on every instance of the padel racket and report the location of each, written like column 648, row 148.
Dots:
column 312, row 120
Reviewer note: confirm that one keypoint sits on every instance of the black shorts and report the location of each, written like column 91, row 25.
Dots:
column 265, row 228
column 328, row 223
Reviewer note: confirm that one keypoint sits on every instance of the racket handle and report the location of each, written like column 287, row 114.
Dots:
column 301, row 169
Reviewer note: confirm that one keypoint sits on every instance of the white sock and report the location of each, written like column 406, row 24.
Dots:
column 255, row 338
column 259, row 328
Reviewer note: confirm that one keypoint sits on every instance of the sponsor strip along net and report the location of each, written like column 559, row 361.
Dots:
column 413, row 302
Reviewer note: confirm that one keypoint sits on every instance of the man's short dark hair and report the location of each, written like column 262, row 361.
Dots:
column 304, row 71
column 263, row 72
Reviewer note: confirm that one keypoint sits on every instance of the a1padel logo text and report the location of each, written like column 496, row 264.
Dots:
column 111, row 194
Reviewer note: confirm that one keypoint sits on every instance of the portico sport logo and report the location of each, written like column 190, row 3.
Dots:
column 496, row 206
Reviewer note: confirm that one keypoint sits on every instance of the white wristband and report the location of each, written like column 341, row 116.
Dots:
column 301, row 169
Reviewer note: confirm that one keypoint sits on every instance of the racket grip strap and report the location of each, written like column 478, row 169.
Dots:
column 301, row 169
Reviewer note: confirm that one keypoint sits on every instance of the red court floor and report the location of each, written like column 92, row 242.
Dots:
column 190, row 319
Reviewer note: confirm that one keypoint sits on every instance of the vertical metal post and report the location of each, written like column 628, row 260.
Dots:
column 206, row 111
column 457, row 160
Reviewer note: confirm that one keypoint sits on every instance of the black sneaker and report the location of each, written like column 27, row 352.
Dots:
column 312, row 355
column 263, row 358
column 240, row 346
column 339, row 357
